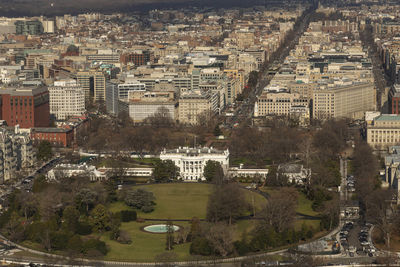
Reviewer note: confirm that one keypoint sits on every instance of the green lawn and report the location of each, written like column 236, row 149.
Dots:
column 305, row 206
column 183, row 201
column 144, row 246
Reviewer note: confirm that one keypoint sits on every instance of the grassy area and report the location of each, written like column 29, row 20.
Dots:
column 304, row 205
column 183, row 201
column 145, row 246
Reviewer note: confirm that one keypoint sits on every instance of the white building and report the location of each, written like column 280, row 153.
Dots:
column 295, row 173
column 125, row 88
column 70, row 170
column 67, row 99
column 15, row 153
column 191, row 161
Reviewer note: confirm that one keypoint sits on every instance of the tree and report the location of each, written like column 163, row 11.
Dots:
column 170, row 235
column 39, row 184
column 220, row 235
column 213, row 172
column 86, row 198
column 44, row 151
column 380, row 211
column 71, row 218
column 165, row 170
column 161, row 118
column 140, row 199
column 73, row 48
column 217, row 130
column 226, row 203
column 280, row 210
column 100, row 218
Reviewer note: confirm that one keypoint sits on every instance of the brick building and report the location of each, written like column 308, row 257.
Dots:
column 394, row 99
column 57, row 136
column 26, row 106
column 138, row 58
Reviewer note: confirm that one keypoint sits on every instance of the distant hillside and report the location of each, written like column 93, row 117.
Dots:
column 59, row 7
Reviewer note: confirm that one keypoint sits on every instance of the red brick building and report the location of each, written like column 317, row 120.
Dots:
column 26, row 106
column 138, row 58
column 394, row 99
column 57, row 136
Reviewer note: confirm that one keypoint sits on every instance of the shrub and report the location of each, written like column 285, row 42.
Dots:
column 147, row 209
column 84, row 228
column 59, row 240
column 75, row 244
column 241, row 247
column 124, row 237
column 201, row 246
column 128, row 215
column 95, row 244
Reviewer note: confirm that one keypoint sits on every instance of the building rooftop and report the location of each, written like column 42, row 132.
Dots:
column 190, row 151
column 388, row 117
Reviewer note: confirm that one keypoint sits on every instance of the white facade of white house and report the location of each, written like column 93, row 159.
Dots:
column 191, row 161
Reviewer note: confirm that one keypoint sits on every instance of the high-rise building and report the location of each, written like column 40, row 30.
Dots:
column 25, row 106
column 67, row 99
column 93, row 84
column 15, row 153
column 112, row 98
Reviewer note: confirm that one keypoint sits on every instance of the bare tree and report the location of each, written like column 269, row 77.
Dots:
column 280, row 210
column 220, row 235
column 380, row 210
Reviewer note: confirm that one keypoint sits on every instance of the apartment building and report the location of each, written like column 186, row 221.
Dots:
column 15, row 153
column 344, row 101
column 384, row 131
column 67, row 99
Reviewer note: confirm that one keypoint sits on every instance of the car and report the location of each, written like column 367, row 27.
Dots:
column 364, row 243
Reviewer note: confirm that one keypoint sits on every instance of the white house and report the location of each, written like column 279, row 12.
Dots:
column 191, row 161
column 296, row 173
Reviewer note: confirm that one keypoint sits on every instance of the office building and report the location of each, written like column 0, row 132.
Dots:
column 67, row 99
column 193, row 105
column 394, row 99
column 344, row 101
column 278, row 103
column 384, row 131
column 33, row 27
column 93, row 84
column 25, row 106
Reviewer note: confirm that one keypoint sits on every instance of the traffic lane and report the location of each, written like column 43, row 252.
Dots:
column 353, row 237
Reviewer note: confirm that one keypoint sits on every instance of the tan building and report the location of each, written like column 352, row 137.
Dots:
column 140, row 105
column 93, row 84
column 192, row 105
column 349, row 101
column 278, row 103
column 384, row 131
